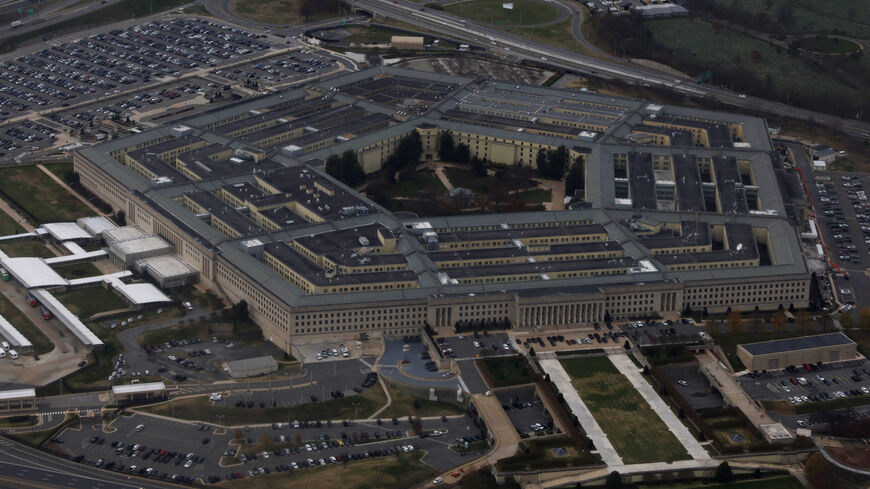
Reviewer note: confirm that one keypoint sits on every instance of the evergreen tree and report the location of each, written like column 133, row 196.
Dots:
column 446, row 147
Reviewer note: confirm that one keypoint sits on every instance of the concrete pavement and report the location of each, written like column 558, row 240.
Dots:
column 563, row 382
column 627, row 368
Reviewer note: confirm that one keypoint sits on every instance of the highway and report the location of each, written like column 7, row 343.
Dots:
column 22, row 466
column 522, row 48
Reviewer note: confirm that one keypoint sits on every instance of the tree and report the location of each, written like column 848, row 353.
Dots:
column 462, row 153
column 478, row 165
column 121, row 218
column 803, row 321
column 239, row 311
column 723, row 473
column 756, row 56
column 576, row 178
column 864, row 317
column 735, row 321
column 345, row 168
column 532, row 352
column 446, row 146
column 613, row 481
column 846, row 320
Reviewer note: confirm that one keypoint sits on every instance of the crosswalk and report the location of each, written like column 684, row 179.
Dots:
column 49, row 415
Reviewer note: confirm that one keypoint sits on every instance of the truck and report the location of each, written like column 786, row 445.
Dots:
column 4, row 274
column 17, row 23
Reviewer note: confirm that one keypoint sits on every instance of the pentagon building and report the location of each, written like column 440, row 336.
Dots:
column 682, row 208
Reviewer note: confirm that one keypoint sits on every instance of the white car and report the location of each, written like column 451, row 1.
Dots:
column 215, row 396
column 140, row 427
column 438, row 480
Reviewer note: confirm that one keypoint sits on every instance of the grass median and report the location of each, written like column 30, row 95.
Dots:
column 634, row 429
column 404, row 404
column 201, row 409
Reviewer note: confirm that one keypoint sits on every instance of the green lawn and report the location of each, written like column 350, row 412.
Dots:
column 26, row 247
column 8, row 225
column 424, row 182
column 28, row 188
column 87, row 301
column 18, row 421
column 78, row 270
column 536, row 196
column 200, row 408
column 507, row 371
column 395, row 472
column 41, row 343
column 525, row 12
column 831, row 45
column 280, row 11
column 784, row 482
column 558, row 35
column 636, row 432
column 95, row 375
column 59, row 169
column 403, row 406
column 811, row 16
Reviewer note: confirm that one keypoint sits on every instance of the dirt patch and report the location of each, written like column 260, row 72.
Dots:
column 855, row 455
column 477, row 67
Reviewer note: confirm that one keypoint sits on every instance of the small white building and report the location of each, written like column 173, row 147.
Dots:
column 819, row 165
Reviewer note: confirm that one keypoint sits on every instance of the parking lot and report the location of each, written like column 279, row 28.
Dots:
column 280, row 69
column 843, row 213
column 798, row 385
column 25, row 136
column 693, row 386
column 106, row 63
column 172, row 450
column 525, row 410
column 474, row 345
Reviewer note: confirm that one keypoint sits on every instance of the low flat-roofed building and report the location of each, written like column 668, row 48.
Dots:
column 168, row 270
column 769, row 355
column 96, row 225
column 126, row 253
column 138, row 393
column 251, row 367
column 124, row 233
column 17, row 399
column 67, row 231
column 407, row 42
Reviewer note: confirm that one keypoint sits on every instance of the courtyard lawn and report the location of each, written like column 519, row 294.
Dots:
column 278, row 11
column 524, row 12
column 87, row 301
column 26, row 247
column 8, row 225
column 403, row 405
column 78, row 270
column 28, row 188
column 200, row 408
column 636, row 432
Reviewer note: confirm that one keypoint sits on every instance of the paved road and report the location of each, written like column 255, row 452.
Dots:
column 563, row 382
column 522, row 48
column 21, row 466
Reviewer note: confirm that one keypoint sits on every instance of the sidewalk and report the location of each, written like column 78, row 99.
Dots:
column 563, row 382
column 627, row 368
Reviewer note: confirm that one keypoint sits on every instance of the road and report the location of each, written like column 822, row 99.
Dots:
column 56, row 13
column 518, row 47
column 22, row 466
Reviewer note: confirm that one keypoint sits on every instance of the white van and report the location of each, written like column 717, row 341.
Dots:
column 2, row 353
column 13, row 354
column 5, row 346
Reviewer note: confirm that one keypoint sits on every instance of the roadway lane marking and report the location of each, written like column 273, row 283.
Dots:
column 48, row 469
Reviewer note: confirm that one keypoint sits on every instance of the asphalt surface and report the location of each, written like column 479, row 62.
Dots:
column 521, row 48
column 778, row 384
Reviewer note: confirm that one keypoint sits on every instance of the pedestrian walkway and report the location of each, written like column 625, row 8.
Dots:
column 563, row 382
column 627, row 368
column 722, row 380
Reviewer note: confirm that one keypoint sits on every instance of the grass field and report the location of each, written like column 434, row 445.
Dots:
column 536, row 196
column 403, row 406
column 199, row 408
column 698, row 40
column 786, row 482
column 525, row 12
column 41, row 343
column 506, row 371
column 277, row 11
column 87, row 301
column 59, row 169
column 8, row 225
column 18, row 421
column 424, row 182
column 637, row 433
column 395, row 472
column 42, row 198
column 558, row 35
column 26, row 247
column 78, row 270
column 811, row 16
column 823, row 44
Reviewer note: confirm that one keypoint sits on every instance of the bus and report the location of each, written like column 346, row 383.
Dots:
column 45, row 312
column 4, row 274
